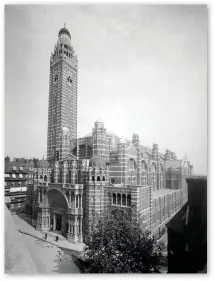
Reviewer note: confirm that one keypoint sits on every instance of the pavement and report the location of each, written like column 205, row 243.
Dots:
column 17, row 258
column 27, row 229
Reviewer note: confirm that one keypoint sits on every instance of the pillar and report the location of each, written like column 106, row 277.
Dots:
column 70, row 199
column 38, row 195
column 64, row 173
column 56, row 171
column 42, row 194
column 54, row 222
column 75, row 200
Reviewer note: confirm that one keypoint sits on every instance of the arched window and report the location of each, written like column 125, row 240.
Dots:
column 98, row 178
column 153, row 168
column 93, row 179
column 143, row 166
column 69, row 176
column 41, row 177
column 45, row 178
column 109, row 197
column 128, row 200
column 69, row 80
column 118, row 199
column 103, row 178
column 131, row 165
column 114, row 199
column 124, row 200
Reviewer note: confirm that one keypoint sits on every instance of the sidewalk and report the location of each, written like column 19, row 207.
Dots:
column 25, row 228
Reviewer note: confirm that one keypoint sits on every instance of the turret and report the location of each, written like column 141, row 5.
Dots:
column 167, row 155
column 136, row 143
column 99, row 140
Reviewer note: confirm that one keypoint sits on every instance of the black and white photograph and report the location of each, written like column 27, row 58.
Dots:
column 105, row 138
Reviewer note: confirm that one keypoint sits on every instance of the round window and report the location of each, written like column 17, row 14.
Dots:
column 112, row 181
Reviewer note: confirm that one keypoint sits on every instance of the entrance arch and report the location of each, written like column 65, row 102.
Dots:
column 55, row 198
column 56, row 202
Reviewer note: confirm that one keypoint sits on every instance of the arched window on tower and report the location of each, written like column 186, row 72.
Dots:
column 114, row 199
column 93, row 179
column 98, row 178
column 69, row 176
column 118, row 199
column 103, row 178
column 45, row 178
column 69, row 80
column 128, row 200
column 124, row 200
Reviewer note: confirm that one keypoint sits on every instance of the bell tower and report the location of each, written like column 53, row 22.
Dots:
column 62, row 108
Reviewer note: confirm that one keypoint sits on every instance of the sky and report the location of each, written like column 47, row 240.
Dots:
column 142, row 69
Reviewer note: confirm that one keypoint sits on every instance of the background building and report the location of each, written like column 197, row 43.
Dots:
column 16, row 180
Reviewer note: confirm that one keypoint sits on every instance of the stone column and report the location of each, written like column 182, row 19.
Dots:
column 69, row 199
column 74, row 200
column 42, row 194
column 64, row 173
column 80, row 227
column 75, row 230
column 54, row 222
column 56, row 171
column 38, row 194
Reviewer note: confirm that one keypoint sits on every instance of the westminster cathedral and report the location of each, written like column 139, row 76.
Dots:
column 89, row 176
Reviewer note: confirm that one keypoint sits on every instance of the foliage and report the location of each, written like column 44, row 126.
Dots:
column 116, row 246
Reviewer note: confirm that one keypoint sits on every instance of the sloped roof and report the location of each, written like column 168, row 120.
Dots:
column 42, row 163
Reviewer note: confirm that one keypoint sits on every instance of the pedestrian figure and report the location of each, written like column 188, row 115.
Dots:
column 57, row 238
column 46, row 235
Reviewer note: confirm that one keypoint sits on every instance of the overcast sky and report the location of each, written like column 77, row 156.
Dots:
column 142, row 69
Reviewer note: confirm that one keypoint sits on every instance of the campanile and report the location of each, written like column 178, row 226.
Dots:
column 62, row 108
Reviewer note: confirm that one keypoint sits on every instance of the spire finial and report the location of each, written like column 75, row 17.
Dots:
column 64, row 25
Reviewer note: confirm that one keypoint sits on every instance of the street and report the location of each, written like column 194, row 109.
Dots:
column 48, row 258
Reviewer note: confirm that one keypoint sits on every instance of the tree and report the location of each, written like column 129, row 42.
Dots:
column 118, row 246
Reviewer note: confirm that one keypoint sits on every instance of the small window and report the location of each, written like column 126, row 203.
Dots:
column 69, row 80
column 21, row 176
column 56, row 78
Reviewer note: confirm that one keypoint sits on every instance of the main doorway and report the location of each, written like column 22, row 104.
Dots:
column 58, row 222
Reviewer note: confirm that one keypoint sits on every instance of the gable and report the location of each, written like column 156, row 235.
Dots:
column 70, row 156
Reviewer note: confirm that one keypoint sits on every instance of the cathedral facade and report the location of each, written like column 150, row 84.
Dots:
column 95, row 174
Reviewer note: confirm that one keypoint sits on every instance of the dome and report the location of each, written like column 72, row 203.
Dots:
column 64, row 30
column 98, row 162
